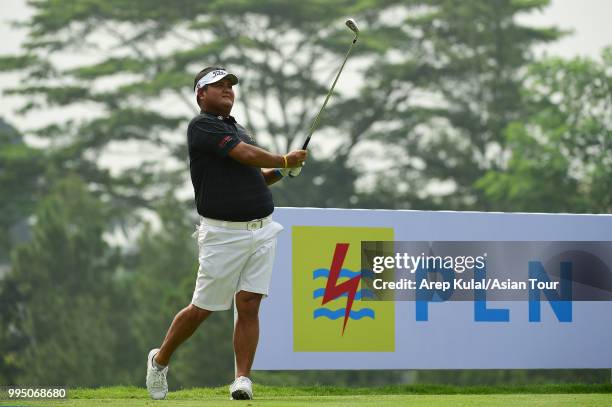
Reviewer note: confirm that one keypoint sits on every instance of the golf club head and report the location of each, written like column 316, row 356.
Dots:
column 350, row 23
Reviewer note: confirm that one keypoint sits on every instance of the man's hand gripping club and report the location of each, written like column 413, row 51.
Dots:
column 294, row 162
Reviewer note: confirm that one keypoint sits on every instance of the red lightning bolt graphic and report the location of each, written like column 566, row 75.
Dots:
column 333, row 291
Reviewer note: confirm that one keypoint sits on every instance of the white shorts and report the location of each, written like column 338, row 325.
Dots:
column 232, row 260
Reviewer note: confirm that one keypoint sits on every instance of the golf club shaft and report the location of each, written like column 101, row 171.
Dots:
column 316, row 120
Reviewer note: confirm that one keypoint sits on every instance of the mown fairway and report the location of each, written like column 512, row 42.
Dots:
column 418, row 395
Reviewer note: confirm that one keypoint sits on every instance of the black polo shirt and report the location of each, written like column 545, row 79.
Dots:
column 224, row 188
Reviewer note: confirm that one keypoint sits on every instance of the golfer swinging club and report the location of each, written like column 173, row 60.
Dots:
column 236, row 236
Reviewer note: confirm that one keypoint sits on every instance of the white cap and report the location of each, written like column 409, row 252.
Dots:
column 215, row 76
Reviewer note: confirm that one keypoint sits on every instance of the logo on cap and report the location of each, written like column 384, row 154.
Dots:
column 214, row 76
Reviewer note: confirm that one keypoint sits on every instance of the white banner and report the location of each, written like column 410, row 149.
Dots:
column 303, row 324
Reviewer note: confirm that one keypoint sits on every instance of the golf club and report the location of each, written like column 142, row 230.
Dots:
column 350, row 23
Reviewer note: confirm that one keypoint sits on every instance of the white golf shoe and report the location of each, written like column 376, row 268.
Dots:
column 157, row 385
column 241, row 389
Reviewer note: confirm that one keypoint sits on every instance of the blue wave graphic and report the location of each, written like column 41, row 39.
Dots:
column 339, row 313
column 363, row 293
column 343, row 273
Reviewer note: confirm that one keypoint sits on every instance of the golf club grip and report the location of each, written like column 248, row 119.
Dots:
column 305, row 145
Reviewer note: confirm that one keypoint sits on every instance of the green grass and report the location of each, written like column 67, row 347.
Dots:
column 413, row 395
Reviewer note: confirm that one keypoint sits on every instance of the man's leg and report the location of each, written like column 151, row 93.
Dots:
column 246, row 332
column 183, row 326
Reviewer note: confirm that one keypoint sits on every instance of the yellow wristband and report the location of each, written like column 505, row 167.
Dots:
column 285, row 158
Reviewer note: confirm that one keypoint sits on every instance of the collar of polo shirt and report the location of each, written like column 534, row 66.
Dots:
column 215, row 76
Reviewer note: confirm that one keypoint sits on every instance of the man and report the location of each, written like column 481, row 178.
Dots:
column 236, row 236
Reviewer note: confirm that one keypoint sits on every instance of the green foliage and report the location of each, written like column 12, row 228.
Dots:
column 20, row 187
column 443, row 83
column 20, row 184
column 152, row 51
column 12, row 341
column 11, row 63
column 111, row 66
column 63, row 294
column 561, row 154
column 441, row 104
column 329, row 185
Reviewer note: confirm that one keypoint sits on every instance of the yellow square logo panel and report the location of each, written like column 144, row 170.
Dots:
column 329, row 311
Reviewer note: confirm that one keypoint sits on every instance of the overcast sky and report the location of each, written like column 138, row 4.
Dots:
column 588, row 19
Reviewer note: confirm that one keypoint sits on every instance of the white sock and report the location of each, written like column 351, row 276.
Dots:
column 157, row 365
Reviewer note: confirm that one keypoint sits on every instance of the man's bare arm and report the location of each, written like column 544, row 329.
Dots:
column 254, row 156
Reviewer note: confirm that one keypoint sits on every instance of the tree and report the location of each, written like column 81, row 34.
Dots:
column 442, row 99
column 21, row 184
column 140, row 52
column 560, row 155
column 59, row 295
column 442, row 83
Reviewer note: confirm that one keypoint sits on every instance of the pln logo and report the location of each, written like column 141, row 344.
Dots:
column 330, row 308
column 349, row 288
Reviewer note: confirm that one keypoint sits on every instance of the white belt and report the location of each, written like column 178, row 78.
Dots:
column 249, row 225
